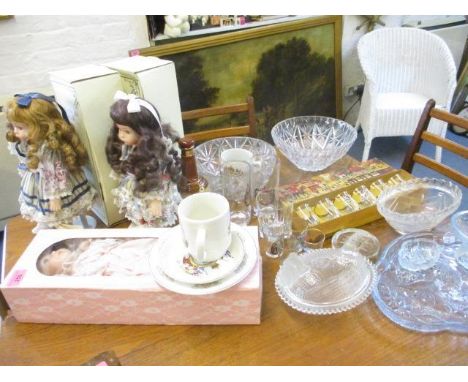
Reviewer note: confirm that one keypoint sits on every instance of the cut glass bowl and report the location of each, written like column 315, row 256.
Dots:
column 325, row 281
column 428, row 300
column 419, row 204
column 208, row 159
column 313, row 143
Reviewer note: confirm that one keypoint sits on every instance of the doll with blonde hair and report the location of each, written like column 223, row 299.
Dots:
column 51, row 156
column 141, row 154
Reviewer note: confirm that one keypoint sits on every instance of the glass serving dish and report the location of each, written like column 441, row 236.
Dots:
column 357, row 240
column 313, row 143
column 428, row 300
column 209, row 166
column 419, row 204
column 460, row 226
column 325, row 281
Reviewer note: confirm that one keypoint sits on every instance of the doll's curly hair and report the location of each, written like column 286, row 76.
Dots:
column 46, row 125
column 151, row 159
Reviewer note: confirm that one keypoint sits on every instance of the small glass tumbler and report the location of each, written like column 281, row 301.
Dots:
column 363, row 196
column 272, row 222
column 325, row 210
column 264, row 201
column 313, row 239
column 236, row 183
column 299, row 229
column 345, row 204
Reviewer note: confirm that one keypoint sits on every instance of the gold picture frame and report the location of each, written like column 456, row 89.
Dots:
column 275, row 63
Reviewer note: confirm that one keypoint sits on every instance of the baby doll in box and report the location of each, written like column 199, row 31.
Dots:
column 98, row 257
column 140, row 151
column 51, row 157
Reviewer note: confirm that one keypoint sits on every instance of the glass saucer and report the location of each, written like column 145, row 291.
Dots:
column 325, row 281
column 427, row 300
column 177, row 263
column 249, row 260
column 357, row 240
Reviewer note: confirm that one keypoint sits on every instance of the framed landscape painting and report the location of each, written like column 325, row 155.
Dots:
column 291, row 69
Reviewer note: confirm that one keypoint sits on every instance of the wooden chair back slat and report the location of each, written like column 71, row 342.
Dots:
column 413, row 156
column 441, row 168
column 247, row 107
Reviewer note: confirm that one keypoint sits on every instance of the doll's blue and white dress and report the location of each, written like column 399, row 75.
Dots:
column 136, row 204
column 51, row 180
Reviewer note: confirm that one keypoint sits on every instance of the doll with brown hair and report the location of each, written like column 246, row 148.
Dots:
column 141, row 154
column 54, row 188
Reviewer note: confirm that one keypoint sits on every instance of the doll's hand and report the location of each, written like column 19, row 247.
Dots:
column 155, row 208
column 55, row 205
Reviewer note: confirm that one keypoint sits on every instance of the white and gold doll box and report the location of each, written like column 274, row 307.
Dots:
column 154, row 80
column 87, row 93
column 114, row 276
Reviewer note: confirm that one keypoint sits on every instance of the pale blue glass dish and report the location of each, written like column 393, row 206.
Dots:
column 432, row 299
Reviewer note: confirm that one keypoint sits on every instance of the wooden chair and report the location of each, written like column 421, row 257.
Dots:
column 413, row 156
column 248, row 108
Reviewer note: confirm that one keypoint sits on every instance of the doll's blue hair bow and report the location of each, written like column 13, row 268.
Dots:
column 24, row 100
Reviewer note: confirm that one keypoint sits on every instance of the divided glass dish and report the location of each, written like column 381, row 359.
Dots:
column 325, row 281
column 432, row 299
column 208, row 160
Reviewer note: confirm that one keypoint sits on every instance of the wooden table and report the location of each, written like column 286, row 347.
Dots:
column 362, row 336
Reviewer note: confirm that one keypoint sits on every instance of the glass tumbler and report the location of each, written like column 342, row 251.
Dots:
column 236, row 187
column 272, row 222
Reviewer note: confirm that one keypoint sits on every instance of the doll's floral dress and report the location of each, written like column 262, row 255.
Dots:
column 136, row 204
column 51, row 180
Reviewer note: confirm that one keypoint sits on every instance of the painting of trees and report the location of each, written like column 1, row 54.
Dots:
column 291, row 80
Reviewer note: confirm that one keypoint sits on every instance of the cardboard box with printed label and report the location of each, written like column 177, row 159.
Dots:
column 154, row 80
column 86, row 93
column 114, row 289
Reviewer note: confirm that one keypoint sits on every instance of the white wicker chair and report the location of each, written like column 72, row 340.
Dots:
column 404, row 68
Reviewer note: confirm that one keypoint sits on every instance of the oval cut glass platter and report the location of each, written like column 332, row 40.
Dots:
column 430, row 298
column 325, row 281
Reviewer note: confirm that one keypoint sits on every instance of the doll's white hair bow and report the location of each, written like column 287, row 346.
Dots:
column 135, row 103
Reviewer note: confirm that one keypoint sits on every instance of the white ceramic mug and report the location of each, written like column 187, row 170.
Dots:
column 236, row 154
column 206, row 227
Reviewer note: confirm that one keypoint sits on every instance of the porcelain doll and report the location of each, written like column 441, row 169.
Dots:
column 141, row 154
column 98, row 257
column 54, row 188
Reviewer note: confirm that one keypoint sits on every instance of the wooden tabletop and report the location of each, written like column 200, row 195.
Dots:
column 361, row 336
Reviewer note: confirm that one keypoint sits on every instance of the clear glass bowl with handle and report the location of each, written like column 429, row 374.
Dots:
column 313, row 143
column 419, row 204
column 209, row 162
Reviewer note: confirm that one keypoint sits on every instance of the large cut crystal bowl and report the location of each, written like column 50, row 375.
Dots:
column 208, row 159
column 419, row 204
column 313, row 143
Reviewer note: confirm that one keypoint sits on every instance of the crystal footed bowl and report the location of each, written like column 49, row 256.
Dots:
column 313, row 143
column 208, row 159
column 419, row 204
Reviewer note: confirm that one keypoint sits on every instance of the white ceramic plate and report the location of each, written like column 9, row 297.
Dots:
column 248, row 262
column 176, row 262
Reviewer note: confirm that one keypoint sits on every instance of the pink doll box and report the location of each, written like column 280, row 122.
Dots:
column 138, row 300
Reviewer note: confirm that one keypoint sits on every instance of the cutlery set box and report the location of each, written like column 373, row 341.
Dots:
column 306, row 194
column 33, row 296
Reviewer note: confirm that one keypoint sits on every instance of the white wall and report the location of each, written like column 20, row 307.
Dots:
column 32, row 46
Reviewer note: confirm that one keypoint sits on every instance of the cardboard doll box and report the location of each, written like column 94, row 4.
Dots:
column 138, row 300
column 87, row 93
column 154, row 80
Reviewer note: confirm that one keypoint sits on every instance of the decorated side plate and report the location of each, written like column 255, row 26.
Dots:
column 248, row 262
column 177, row 263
